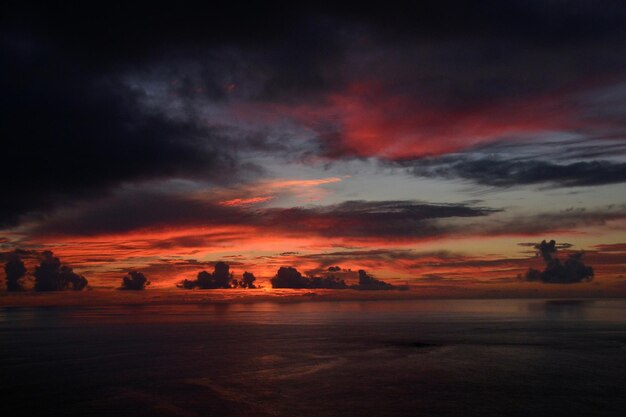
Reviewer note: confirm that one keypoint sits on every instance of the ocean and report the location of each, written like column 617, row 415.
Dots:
column 317, row 358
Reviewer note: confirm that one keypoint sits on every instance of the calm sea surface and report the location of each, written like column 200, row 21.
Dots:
column 374, row 358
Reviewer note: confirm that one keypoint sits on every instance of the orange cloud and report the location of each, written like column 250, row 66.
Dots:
column 244, row 201
column 279, row 184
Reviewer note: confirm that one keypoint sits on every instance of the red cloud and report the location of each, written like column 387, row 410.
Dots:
column 367, row 120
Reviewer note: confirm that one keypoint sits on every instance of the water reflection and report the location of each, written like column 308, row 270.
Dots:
column 575, row 310
column 316, row 313
column 428, row 358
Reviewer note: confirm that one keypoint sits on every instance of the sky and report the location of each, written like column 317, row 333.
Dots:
column 432, row 146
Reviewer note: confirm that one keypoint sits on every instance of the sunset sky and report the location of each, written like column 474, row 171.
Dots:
column 431, row 147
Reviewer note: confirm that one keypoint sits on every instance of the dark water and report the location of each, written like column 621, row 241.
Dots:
column 400, row 358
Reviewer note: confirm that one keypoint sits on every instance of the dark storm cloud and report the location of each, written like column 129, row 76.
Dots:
column 70, row 133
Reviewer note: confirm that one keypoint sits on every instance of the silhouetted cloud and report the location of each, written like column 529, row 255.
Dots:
column 222, row 275
column 189, row 284
column 558, row 246
column 134, row 281
column 14, row 270
column 247, row 281
column 572, row 271
column 289, row 277
column 220, row 278
column 51, row 275
column 368, row 282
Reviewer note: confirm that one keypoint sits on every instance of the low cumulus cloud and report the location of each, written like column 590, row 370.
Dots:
column 49, row 273
column 573, row 270
column 290, row 277
column 247, row 281
column 221, row 277
column 134, row 280
column 15, row 270
column 52, row 275
column 368, row 282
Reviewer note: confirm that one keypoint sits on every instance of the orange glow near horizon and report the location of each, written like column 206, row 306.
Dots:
column 169, row 255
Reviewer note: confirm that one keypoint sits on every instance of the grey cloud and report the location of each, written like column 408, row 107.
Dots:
column 133, row 210
column 502, row 172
